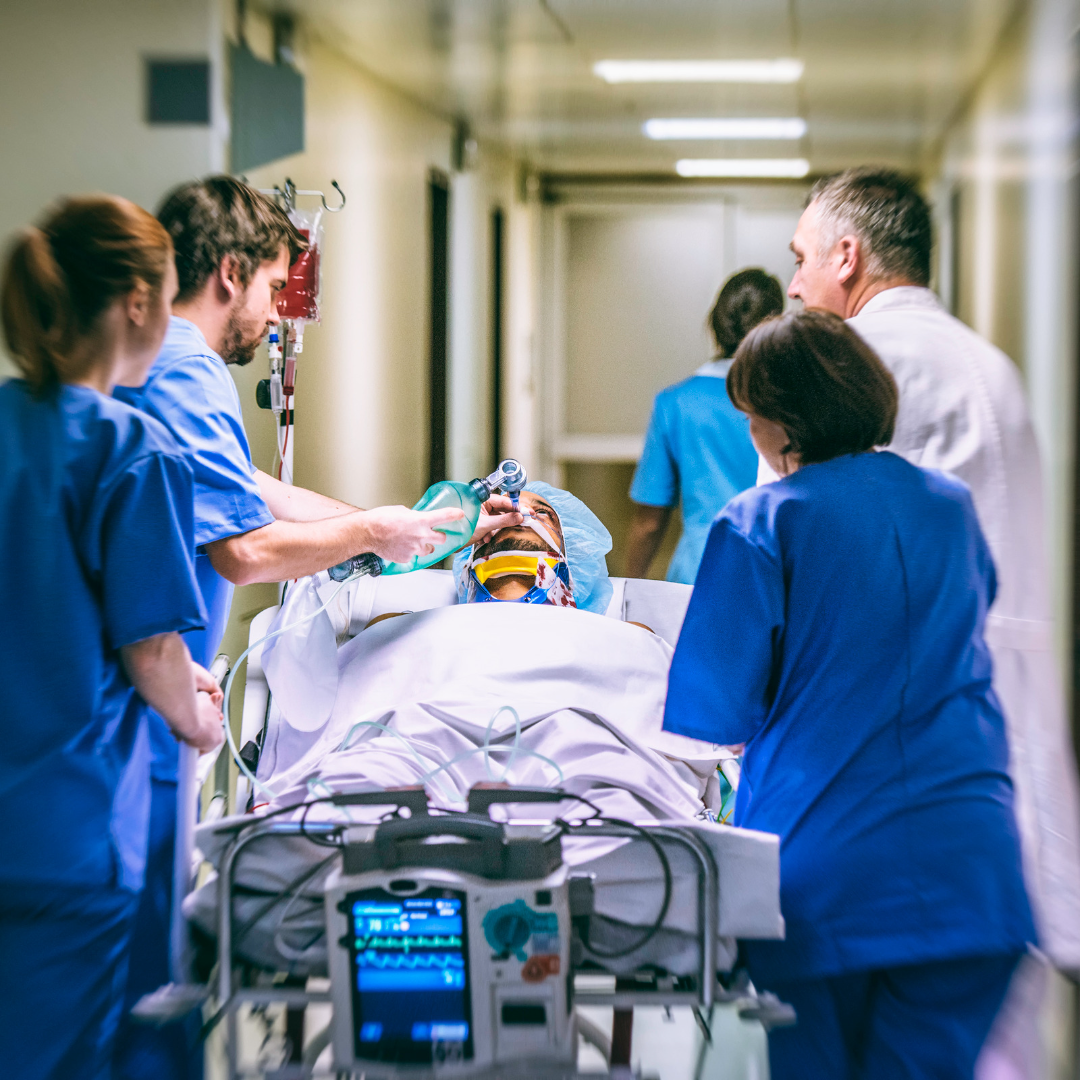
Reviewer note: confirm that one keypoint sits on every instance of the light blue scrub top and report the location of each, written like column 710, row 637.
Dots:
column 836, row 628
column 189, row 389
column 697, row 449
column 96, row 549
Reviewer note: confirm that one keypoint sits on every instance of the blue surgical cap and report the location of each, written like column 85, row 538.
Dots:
column 586, row 542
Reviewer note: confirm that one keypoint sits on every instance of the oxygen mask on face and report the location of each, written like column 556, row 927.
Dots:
column 548, row 571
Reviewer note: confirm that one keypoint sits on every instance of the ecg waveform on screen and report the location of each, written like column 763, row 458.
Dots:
column 406, row 962
column 406, row 942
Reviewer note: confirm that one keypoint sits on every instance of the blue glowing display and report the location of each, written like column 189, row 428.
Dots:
column 410, row 969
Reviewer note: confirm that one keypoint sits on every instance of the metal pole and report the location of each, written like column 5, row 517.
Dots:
column 187, row 795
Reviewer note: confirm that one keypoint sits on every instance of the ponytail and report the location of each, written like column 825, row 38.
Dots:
column 748, row 298
column 35, row 304
column 59, row 279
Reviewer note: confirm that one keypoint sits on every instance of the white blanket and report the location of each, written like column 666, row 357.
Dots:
column 589, row 692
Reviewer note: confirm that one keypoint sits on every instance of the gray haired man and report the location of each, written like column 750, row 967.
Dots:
column 862, row 250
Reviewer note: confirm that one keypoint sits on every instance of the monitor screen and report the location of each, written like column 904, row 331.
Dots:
column 410, row 965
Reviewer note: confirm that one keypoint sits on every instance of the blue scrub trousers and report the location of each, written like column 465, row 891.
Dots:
column 923, row 1022
column 174, row 1051
column 63, row 966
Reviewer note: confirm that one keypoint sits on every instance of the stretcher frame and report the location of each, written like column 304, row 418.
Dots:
column 232, row 996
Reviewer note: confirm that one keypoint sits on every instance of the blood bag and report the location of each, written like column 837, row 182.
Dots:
column 300, row 297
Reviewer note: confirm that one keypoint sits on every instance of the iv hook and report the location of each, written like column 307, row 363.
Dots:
column 335, row 209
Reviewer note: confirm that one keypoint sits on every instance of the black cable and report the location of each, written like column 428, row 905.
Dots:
column 298, row 882
column 652, row 931
column 241, row 931
column 317, row 841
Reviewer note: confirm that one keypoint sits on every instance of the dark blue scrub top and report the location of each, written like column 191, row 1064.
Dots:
column 697, row 450
column 189, row 389
column 96, row 548
column 836, row 627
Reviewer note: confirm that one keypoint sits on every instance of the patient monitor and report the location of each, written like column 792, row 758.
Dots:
column 452, row 957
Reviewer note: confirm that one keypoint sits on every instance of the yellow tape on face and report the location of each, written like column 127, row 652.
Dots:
column 509, row 564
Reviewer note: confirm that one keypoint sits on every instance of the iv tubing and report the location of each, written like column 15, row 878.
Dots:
column 486, row 749
column 401, row 738
column 232, row 675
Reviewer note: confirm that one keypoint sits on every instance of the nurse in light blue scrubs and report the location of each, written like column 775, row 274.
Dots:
column 697, row 449
column 98, row 585
column 836, row 628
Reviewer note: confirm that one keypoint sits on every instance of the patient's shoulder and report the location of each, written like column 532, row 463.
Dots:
column 383, row 617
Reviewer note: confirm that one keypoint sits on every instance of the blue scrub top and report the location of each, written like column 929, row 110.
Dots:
column 697, row 449
column 95, row 544
column 836, row 628
column 189, row 389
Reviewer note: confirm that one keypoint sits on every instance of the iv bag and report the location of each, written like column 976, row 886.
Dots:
column 300, row 297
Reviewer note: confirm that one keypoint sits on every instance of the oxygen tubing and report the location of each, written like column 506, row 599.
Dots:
column 486, row 749
column 232, row 675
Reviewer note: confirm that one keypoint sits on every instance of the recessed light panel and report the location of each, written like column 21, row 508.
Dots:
column 785, row 168
column 793, row 127
column 730, row 71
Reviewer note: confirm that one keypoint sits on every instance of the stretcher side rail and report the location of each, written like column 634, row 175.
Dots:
column 672, row 992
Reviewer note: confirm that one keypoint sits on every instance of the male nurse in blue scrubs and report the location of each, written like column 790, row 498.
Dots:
column 233, row 252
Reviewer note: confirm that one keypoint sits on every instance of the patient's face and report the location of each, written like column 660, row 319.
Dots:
column 522, row 538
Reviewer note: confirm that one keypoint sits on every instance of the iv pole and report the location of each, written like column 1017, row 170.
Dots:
column 287, row 341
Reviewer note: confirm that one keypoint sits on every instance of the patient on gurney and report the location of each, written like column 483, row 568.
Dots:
column 556, row 556
column 528, row 691
column 531, row 563
column 547, row 691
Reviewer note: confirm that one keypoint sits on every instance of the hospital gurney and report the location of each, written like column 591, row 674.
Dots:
column 660, row 605
column 711, row 885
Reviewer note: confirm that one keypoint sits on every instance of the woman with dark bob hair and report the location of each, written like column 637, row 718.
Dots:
column 836, row 628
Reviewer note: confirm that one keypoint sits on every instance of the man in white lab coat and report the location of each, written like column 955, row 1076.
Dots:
column 862, row 250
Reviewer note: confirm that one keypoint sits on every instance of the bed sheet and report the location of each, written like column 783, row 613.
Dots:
column 555, row 695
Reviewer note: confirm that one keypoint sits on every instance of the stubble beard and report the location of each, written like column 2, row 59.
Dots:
column 236, row 346
column 510, row 543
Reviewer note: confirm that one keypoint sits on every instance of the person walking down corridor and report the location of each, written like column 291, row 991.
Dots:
column 697, row 450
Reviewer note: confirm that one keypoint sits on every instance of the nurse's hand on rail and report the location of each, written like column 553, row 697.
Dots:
column 497, row 513
column 210, row 734
column 161, row 671
column 205, row 681
column 397, row 533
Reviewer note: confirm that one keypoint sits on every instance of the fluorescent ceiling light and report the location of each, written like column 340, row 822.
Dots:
column 776, row 128
column 732, row 71
column 787, row 168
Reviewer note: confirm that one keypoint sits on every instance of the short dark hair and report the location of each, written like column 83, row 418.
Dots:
column 812, row 374
column 886, row 211
column 746, row 298
column 219, row 216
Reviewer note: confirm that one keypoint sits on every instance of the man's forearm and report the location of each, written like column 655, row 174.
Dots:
column 288, row 549
column 289, row 503
column 292, row 549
